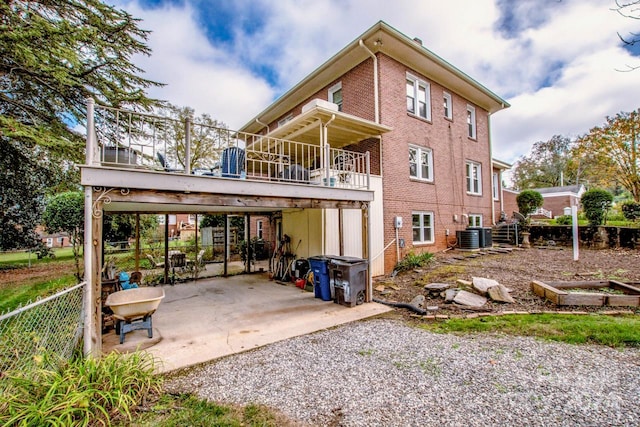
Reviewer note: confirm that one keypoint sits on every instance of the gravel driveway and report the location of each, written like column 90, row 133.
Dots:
column 385, row 373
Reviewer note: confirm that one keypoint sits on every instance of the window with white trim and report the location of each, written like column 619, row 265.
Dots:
column 335, row 95
column 420, row 163
column 49, row 242
column 418, row 97
column 474, row 178
column 422, row 227
column 448, row 105
column 259, row 229
column 475, row 220
column 496, row 186
column 471, row 121
column 160, row 219
column 173, row 219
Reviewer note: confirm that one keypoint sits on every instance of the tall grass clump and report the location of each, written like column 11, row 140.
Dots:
column 411, row 261
column 79, row 392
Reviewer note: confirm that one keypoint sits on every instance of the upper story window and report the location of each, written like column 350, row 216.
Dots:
column 475, row 220
column 418, row 97
column 474, row 178
column 285, row 119
column 471, row 121
column 422, row 226
column 420, row 163
column 335, row 95
column 496, row 186
column 160, row 219
column 448, row 105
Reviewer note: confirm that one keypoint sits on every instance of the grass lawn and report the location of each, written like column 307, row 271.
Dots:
column 613, row 331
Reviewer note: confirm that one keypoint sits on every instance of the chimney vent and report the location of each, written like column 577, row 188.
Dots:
column 417, row 40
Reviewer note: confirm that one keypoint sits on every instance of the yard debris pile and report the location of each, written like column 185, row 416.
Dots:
column 498, row 280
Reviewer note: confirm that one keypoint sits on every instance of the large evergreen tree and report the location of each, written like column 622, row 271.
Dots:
column 53, row 55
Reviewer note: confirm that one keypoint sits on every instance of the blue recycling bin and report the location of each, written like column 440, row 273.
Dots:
column 321, row 285
column 232, row 162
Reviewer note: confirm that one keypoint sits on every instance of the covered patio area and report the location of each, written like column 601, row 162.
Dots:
column 215, row 317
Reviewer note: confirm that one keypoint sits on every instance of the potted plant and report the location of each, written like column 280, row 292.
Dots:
column 528, row 201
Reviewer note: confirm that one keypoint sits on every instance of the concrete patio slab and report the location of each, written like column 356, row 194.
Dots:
column 215, row 317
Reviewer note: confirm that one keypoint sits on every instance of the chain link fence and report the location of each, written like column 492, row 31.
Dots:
column 50, row 326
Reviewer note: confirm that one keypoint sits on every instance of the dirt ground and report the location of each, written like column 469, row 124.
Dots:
column 514, row 270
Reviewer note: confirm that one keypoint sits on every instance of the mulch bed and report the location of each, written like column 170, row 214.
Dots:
column 515, row 270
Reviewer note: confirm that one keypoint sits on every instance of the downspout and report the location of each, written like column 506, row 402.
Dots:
column 375, row 80
column 263, row 124
column 493, row 203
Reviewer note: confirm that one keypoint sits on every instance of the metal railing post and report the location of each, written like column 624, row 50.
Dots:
column 187, row 145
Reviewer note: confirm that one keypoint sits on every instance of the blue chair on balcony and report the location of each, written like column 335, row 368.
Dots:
column 165, row 165
column 232, row 162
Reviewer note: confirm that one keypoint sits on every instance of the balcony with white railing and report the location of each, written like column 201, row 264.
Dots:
column 542, row 212
column 132, row 141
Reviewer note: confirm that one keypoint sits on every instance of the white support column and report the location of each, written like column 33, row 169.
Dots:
column 91, row 154
column 87, row 302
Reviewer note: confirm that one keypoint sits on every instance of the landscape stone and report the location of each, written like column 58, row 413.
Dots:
column 482, row 284
column 500, row 293
column 417, row 301
column 469, row 299
column 437, row 287
column 449, row 295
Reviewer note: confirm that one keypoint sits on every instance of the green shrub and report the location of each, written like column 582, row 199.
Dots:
column 595, row 204
column 631, row 210
column 528, row 201
column 411, row 261
column 564, row 220
column 81, row 392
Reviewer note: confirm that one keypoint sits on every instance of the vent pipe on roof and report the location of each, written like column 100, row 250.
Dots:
column 417, row 40
column 375, row 80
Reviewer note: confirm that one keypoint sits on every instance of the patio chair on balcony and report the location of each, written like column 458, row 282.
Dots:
column 232, row 162
column 345, row 166
column 295, row 173
column 165, row 165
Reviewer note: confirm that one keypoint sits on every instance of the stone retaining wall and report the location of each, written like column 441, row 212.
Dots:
column 602, row 237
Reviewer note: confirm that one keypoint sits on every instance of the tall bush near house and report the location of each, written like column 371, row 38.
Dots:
column 631, row 210
column 528, row 201
column 65, row 213
column 596, row 203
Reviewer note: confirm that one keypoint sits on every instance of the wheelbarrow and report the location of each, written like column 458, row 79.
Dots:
column 133, row 309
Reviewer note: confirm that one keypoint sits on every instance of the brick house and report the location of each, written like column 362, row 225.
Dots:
column 425, row 124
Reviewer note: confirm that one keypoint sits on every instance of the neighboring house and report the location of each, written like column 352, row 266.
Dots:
column 555, row 200
column 425, row 125
column 53, row 240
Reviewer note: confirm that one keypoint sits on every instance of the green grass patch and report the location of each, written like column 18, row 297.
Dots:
column 188, row 410
column 18, row 295
column 19, row 259
column 574, row 329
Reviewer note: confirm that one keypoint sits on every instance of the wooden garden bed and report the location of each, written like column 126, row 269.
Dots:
column 558, row 293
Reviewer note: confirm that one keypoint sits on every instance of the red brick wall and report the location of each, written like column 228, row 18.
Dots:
column 510, row 204
column 556, row 204
column 357, row 93
column 451, row 147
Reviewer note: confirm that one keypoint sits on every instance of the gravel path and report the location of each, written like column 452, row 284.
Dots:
column 386, row 373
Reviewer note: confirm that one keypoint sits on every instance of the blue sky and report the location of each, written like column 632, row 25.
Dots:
column 557, row 62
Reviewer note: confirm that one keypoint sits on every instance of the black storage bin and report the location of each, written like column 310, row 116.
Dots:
column 349, row 275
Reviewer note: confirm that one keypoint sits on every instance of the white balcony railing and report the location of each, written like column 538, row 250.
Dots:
column 127, row 139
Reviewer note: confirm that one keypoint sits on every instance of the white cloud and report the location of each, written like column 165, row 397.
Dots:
column 575, row 39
